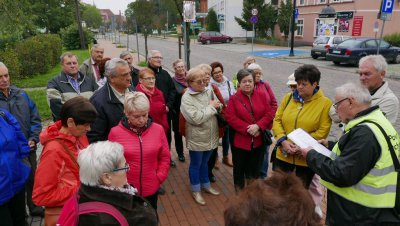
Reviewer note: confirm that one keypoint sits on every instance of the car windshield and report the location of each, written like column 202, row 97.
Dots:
column 350, row 43
column 321, row 40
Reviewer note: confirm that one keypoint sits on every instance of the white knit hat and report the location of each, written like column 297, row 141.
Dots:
column 291, row 80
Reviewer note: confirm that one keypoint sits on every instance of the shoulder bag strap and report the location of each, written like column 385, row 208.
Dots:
column 245, row 107
column 287, row 103
column 73, row 158
column 391, row 149
column 229, row 88
column 101, row 207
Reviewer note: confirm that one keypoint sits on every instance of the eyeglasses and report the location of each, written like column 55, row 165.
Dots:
column 336, row 105
column 149, row 78
column 126, row 168
column 157, row 57
column 200, row 82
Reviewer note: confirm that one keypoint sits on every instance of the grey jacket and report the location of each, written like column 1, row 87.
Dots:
column 387, row 102
column 87, row 69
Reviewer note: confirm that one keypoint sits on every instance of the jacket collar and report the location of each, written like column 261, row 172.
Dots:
column 115, row 198
column 317, row 94
column 124, row 123
column 64, row 78
column 156, row 70
column 111, row 96
column 378, row 94
column 12, row 91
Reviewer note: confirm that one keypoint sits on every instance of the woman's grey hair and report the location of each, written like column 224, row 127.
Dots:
column 124, row 54
column 249, row 58
column 98, row 158
column 254, row 66
column 205, row 67
column 356, row 91
column 177, row 62
column 111, row 66
column 377, row 61
column 136, row 101
column 152, row 53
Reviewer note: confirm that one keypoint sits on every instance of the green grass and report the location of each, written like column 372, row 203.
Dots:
column 42, row 79
column 39, row 97
column 142, row 63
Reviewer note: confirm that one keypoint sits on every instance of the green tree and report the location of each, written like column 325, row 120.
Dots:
column 139, row 11
column 212, row 21
column 91, row 15
column 285, row 13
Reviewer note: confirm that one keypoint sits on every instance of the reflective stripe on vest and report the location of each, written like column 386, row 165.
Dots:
column 378, row 188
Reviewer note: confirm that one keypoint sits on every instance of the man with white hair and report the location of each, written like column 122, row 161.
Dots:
column 372, row 71
column 90, row 67
column 127, row 56
column 109, row 100
column 360, row 173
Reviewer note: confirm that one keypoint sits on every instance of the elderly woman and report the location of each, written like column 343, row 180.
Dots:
column 145, row 147
column 199, row 108
column 57, row 175
column 227, row 90
column 249, row 117
column 158, row 109
column 270, row 100
column 249, row 60
column 305, row 108
column 102, row 173
column 180, row 83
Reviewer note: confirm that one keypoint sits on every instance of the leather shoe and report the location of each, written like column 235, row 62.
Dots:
column 161, row 191
column 198, row 198
column 172, row 163
column 211, row 190
column 37, row 211
column 181, row 158
column 212, row 178
column 226, row 161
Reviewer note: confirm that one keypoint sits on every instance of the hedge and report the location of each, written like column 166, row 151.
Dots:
column 70, row 37
column 10, row 58
column 393, row 39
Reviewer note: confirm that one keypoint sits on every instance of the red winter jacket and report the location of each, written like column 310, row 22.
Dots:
column 239, row 117
column 148, row 155
column 57, row 175
column 270, row 98
column 157, row 112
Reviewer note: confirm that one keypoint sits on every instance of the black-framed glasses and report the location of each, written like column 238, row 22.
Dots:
column 126, row 168
column 336, row 105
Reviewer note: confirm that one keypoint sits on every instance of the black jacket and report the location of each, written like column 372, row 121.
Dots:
column 110, row 111
column 178, row 97
column 135, row 76
column 360, row 151
column 165, row 84
column 135, row 209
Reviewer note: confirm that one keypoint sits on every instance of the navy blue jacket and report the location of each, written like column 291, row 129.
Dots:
column 13, row 148
column 24, row 110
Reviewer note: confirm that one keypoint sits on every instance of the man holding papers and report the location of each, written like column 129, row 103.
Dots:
column 360, row 174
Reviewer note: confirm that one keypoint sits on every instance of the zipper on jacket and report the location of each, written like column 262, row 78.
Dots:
column 141, row 163
column 295, row 126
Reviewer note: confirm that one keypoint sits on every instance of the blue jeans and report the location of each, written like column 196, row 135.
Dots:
column 225, row 142
column 265, row 163
column 198, row 169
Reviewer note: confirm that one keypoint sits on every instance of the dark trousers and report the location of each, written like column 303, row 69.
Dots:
column 169, row 135
column 303, row 172
column 246, row 164
column 30, row 182
column 12, row 213
column 212, row 161
column 177, row 135
column 152, row 200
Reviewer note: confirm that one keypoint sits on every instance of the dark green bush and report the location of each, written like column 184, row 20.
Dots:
column 393, row 39
column 70, row 37
column 10, row 59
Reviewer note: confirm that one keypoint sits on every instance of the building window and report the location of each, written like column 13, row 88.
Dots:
column 321, row 1
column 300, row 27
column 336, row 1
column 302, row 2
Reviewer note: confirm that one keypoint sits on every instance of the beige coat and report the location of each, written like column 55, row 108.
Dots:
column 201, row 123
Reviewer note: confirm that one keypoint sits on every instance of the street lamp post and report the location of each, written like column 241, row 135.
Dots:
column 80, row 29
column 292, row 29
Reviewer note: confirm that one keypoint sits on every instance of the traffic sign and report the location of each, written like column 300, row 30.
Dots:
column 254, row 19
column 254, row 12
column 376, row 26
column 387, row 6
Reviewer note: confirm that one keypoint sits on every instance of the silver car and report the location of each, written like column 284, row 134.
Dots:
column 323, row 43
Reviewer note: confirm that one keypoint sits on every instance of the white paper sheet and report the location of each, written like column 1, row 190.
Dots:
column 302, row 139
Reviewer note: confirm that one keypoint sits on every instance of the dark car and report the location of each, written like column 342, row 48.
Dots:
column 323, row 43
column 208, row 37
column 352, row 50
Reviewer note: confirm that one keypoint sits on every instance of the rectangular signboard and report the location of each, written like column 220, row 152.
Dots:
column 357, row 25
column 189, row 11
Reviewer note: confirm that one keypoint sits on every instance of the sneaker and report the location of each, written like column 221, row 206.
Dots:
column 181, row 158
column 198, row 198
column 211, row 191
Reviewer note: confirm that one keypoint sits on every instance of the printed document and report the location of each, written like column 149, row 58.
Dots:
column 302, row 139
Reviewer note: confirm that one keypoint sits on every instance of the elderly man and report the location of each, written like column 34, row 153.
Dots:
column 165, row 84
column 90, row 67
column 69, row 84
column 372, row 71
column 360, row 173
column 127, row 56
column 109, row 99
column 18, row 103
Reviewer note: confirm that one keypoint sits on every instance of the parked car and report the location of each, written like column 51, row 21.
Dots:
column 323, row 43
column 352, row 50
column 208, row 37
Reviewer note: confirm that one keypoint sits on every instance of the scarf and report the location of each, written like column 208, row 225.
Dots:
column 148, row 92
column 128, row 189
column 181, row 79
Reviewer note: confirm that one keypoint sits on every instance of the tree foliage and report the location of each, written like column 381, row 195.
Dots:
column 70, row 37
column 91, row 15
column 285, row 13
column 212, row 21
column 267, row 16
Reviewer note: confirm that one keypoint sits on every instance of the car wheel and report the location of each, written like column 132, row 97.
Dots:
column 203, row 43
column 336, row 62
column 314, row 56
column 396, row 59
column 208, row 42
column 228, row 41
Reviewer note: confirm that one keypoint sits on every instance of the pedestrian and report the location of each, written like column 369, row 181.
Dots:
column 249, row 60
column 145, row 147
column 14, row 172
column 127, row 56
column 199, row 108
column 181, row 85
column 18, row 103
column 305, row 108
column 57, row 175
column 90, row 67
column 102, row 69
column 248, row 117
column 361, row 173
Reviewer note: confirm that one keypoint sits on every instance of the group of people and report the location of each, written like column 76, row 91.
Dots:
column 111, row 137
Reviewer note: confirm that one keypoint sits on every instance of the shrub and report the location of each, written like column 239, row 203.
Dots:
column 10, row 59
column 393, row 39
column 70, row 37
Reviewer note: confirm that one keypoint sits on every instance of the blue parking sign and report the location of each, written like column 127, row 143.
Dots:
column 387, row 6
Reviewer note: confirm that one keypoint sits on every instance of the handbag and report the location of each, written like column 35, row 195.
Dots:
column 267, row 137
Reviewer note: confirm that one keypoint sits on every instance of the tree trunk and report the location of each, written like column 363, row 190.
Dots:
column 145, row 45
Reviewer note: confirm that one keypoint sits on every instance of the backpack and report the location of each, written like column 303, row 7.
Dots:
column 72, row 209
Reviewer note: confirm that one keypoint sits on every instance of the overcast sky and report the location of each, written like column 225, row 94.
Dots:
column 114, row 5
